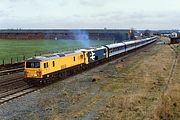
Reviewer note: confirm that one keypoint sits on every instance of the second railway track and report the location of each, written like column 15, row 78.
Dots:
column 12, row 86
column 10, row 81
column 10, row 71
column 10, row 95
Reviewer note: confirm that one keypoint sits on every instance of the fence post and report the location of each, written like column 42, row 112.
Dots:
column 24, row 58
column 3, row 61
column 11, row 60
column 17, row 60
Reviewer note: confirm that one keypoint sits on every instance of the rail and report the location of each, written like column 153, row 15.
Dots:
column 11, row 71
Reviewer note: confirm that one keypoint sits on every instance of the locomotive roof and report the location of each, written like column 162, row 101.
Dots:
column 53, row 56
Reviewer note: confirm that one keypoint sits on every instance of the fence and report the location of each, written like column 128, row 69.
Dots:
column 13, row 60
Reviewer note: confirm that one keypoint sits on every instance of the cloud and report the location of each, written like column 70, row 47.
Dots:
column 97, row 3
column 2, row 13
column 89, row 14
column 63, row 2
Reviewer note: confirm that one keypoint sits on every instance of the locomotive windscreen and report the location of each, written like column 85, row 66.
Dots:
column 32, row 64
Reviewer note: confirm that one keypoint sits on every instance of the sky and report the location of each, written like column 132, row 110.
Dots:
column 82, row 14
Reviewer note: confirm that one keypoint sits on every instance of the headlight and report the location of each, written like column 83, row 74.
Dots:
column 35, row 75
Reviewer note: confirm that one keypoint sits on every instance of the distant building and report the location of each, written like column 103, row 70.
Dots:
column 146, row 33
column 166, row 34
column 175, row 35
column 175, row 38
column 55, row 34
column 132, row 33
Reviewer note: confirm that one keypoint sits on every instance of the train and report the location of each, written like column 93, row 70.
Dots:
column 49, row 67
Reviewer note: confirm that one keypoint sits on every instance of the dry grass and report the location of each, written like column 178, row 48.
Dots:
column 138, row 92
column 169, row 107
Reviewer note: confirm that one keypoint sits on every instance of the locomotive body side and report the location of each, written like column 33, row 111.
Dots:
column 40, row 67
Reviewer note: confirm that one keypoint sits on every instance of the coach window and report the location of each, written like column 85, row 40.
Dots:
column 74, row 58
column 47, row 64
column 53, row 63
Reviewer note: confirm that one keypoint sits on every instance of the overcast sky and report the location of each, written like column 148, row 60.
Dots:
column 139, row 14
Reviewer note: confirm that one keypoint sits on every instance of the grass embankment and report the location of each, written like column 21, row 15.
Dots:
column 138, row 91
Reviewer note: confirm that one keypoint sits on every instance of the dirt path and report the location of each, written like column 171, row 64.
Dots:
column 129, row 89
column 169, row 104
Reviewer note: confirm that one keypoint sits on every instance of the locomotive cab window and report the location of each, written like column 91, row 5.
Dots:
column 32, row 64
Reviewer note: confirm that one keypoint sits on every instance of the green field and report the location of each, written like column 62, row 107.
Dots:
column 17, row 50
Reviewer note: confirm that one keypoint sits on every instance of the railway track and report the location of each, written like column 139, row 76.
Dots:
column 12, row 86
column 10, row 95
column 12, row 80
column 10, row 71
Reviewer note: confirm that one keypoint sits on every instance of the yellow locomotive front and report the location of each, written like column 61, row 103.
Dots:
column 33, row 70
column 37, row 67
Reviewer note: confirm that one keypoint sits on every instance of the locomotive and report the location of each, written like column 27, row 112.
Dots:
column 46, row 68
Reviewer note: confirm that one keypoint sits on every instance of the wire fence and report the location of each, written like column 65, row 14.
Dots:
column 13, row 60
